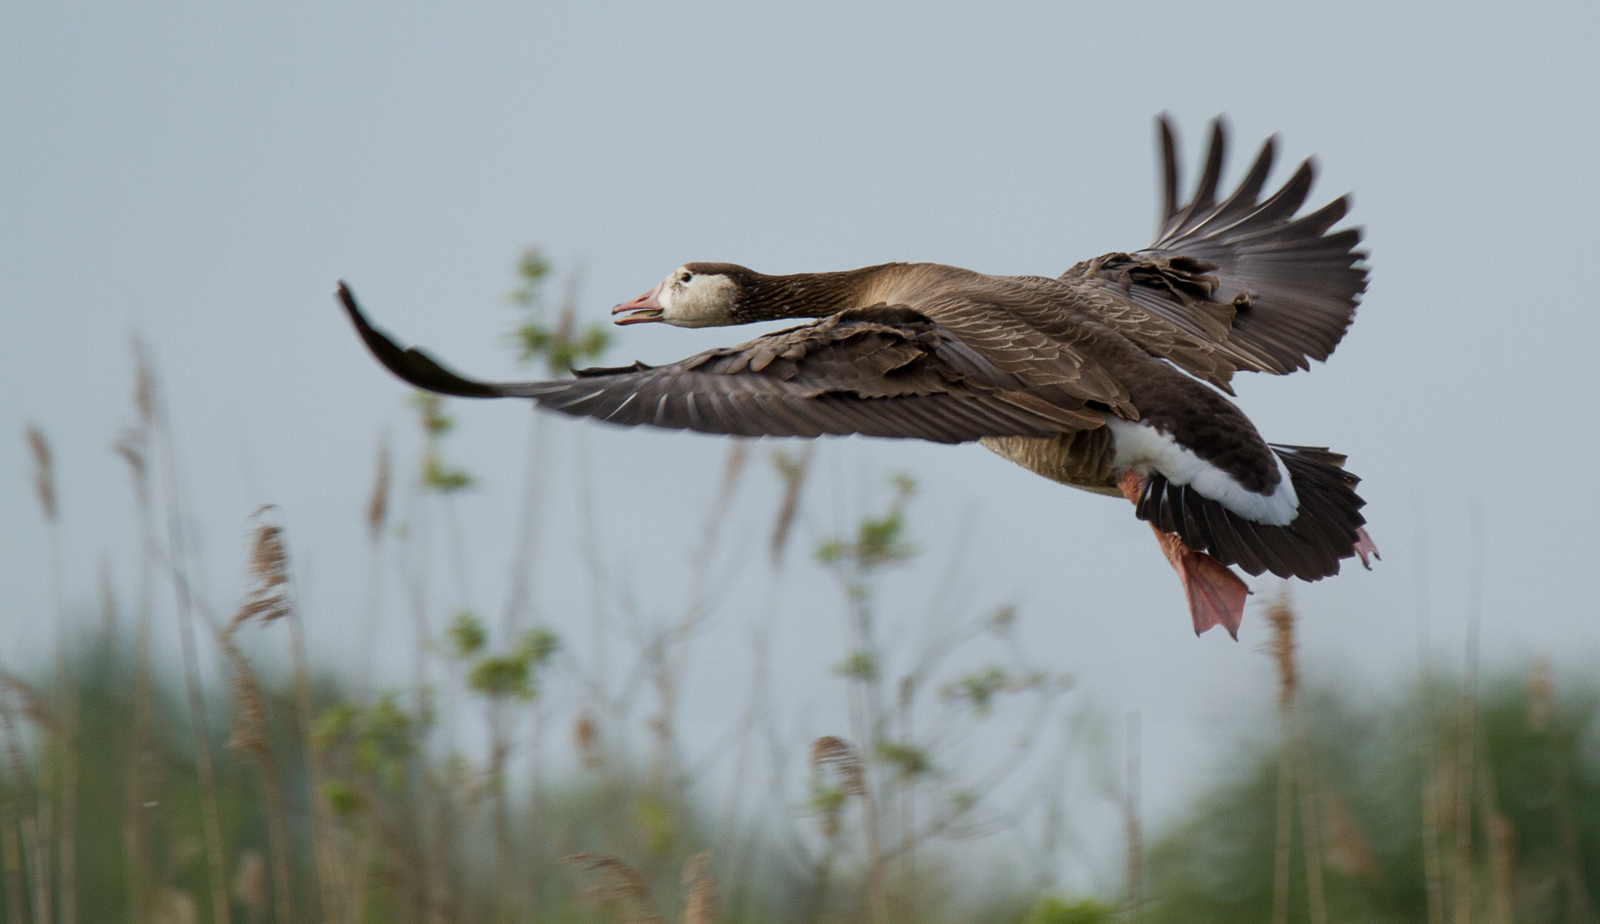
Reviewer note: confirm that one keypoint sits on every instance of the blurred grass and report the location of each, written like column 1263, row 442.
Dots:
column 1539, row 751
column 1539, row 769
column 609, row 813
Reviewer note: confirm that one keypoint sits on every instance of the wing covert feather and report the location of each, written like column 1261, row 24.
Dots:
column 1240, row 284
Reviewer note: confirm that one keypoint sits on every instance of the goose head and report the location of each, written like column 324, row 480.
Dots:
column 693, row 295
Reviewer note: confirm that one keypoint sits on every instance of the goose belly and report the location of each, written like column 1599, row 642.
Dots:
column 1083, row 459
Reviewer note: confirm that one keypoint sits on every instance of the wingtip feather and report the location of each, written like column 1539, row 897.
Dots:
column 1169, row 162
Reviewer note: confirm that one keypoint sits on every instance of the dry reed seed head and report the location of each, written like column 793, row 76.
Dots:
column 130, row 446
column 1347, row 848
column 144, row 385
column 177, row 906
column 378, row 503
column 833, row 754
column 700, row 890
column 249, row 885
column 269, row 560
column 586, row 738
column 613, row 882
column 44, row 477
column 268, row 598
column 1541, row 696
column 1280, row 614
column 250, row 729
column 17, row 695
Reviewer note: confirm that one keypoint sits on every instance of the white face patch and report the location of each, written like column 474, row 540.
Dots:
column 691, row 299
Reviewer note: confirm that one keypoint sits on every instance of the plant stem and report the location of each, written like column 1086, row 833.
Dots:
column 327, row 865
column 11, row 856
column 177, row 557
column 140, row 872
column 1433, row 874
column 66, row 733
column 1135, row 841
column 1283, row 845
column 1467, row 746
column 1310, row 829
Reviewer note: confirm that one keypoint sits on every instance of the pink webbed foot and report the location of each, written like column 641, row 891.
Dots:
column 1365, row 547
column 1216, row 595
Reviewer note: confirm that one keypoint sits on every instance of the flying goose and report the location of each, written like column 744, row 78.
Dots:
column 1110, row 377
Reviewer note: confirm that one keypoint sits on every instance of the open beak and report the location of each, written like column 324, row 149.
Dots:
column 641, row 310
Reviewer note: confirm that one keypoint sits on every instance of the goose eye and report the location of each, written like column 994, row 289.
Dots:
column 686, row 277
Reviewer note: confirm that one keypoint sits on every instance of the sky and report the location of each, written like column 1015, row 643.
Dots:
column 201, row 175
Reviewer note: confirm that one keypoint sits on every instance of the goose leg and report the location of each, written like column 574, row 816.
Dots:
column 1216, row 595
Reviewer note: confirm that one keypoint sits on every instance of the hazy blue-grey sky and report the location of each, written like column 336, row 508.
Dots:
column 203, row 174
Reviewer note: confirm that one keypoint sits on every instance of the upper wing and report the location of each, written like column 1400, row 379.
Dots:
column 1239, row 283
column 875, row 371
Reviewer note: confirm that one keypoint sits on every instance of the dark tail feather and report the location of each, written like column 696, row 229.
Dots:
column 1327, row 530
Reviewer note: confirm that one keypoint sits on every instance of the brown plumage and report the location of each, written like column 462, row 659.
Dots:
column 1084, row 378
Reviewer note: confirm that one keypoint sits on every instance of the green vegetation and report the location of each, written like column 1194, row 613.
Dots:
column 476, row 793
column 1531, row 816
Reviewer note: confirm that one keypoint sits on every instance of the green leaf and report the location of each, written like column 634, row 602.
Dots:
column 437, row 477
column 532, row 269
column 595, row 341
column 537, row 646
column 878, row 541
column 830, row 551
column 858, row 666
column 333, row 724
column 501, row 677
column 659, row 829
column 1052, row 910
column 342, row 797
column 533, row 339
column 978, row 690
column 910, row 761
column 467, row 635
column 826, row 800
column 430, row 414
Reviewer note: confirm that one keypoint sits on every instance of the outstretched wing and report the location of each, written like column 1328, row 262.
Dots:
column 878, row 371
column 1239, row 283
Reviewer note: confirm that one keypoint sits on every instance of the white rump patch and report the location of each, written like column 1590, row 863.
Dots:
column 1144, row 449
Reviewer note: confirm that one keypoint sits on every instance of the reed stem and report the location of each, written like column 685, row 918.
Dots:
column 177, row 558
